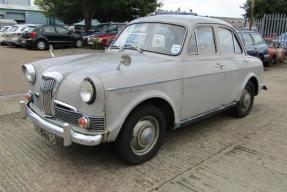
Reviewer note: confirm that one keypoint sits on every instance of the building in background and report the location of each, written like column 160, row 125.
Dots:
column 23, row 12
column 16, row 2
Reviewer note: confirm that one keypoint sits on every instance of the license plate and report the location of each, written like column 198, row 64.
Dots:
column 51, row 138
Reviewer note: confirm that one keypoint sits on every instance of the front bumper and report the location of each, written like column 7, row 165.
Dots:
column 66, row 132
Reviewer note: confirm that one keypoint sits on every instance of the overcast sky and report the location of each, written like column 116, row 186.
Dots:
column 223, row 8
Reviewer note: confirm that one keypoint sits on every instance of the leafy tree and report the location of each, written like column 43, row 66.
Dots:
column 265, row 7
column 71, row 11
column 65, row 10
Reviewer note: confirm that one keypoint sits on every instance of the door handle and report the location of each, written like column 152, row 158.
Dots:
column 219, row 65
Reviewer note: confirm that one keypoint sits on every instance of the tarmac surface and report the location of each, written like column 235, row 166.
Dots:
column 217, row 154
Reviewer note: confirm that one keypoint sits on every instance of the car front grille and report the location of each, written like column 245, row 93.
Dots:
column 72, row 117
column 46, row 97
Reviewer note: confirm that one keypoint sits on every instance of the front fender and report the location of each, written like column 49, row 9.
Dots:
column 119, row 109
column 244, row 83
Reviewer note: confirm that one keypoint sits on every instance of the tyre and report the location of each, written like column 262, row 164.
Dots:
column 142, row 135
column 244, row 106
column 79, row 43
column 41, row 44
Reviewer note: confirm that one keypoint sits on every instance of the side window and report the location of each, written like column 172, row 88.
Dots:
column 226, row 41
column 237, row 46
column 49, row 29
column 62, row 30
column 257, row 39
column 247, row 39
column 205, row 40
column 192, row 47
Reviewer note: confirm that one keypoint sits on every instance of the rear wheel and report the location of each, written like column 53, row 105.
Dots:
column 41, row 44
column 244, row 106
column 141, row 135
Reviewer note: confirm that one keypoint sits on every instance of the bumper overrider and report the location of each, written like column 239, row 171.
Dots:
column 66, row 132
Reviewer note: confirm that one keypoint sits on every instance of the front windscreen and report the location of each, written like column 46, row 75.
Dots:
column 154, row 37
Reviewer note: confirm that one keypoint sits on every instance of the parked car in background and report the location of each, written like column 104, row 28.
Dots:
column 276, row 53
column 105, row 33
column 13, row 36
column 2, row 32
column 162, row 72
column 255, row 45
column 7, row 22
column 282, row 40
column 57, row 36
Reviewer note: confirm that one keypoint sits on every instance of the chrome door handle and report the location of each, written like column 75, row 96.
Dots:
column 219, row 65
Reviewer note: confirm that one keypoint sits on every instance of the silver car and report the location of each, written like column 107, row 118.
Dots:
column 162, row 72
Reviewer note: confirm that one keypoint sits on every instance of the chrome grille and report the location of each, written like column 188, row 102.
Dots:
column 72, row 117
column 46, row 96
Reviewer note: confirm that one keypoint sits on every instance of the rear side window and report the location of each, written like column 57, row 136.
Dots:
column 248, row 41
column 49, row 29
column 62, row 30
column 205, row 40
column 257, row 39
column 228, row 41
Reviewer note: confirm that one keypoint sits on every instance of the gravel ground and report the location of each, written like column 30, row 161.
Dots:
column 218, row 154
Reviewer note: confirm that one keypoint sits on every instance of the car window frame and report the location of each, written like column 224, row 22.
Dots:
column 234, row 38
column 160, row 22
column 196, row 39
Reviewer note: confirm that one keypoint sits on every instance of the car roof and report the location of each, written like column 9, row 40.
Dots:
column 181, row 19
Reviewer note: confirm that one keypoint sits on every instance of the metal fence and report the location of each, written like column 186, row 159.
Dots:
column 273, row 27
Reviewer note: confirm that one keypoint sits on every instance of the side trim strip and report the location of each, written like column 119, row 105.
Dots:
column 200, row 117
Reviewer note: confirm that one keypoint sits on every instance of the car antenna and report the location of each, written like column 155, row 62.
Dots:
column 51, row 51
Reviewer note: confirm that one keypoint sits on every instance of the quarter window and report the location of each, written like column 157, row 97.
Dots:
column 237, row 46
column 205, row 40
column 192, row 48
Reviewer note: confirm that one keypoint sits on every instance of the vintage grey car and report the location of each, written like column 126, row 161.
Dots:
column 162, row 72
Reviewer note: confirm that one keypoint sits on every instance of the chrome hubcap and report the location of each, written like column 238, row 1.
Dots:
column 79, row 43
column 145, row 135
column 245, row 100
column 41, row 45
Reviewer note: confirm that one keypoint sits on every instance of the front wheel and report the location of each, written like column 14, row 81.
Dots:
column 244, row 106
column 142, row 134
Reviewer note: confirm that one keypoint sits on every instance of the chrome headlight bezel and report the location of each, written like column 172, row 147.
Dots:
column 29, row 73
column 88, row 91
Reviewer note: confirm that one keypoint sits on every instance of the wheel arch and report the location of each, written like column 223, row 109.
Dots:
column 251, row 78
column 160, row 100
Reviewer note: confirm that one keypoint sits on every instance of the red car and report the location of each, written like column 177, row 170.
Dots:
column 276, row 54
column 106, row 34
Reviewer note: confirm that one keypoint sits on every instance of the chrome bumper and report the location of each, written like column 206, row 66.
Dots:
column 66, row 132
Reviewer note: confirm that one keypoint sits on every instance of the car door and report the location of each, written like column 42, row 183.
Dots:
column 203, row 74
column 64, row 36
column 50, row 34
column 233, row 59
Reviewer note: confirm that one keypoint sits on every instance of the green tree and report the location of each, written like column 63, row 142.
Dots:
column 71, row 11
column 265, row 7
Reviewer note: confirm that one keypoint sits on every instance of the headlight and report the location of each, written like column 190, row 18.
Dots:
column 29, row 73
column 88, row 91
